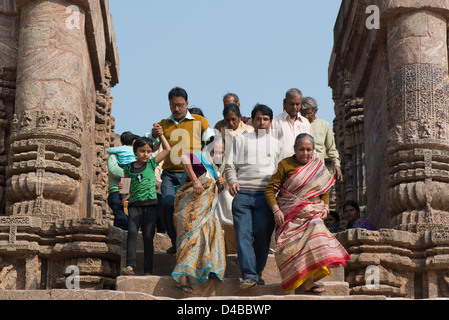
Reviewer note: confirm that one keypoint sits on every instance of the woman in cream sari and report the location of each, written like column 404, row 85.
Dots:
column 234, row 127
column 200, row 242
column 305, row 249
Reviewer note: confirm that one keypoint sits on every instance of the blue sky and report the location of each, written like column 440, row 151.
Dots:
column 256, row 48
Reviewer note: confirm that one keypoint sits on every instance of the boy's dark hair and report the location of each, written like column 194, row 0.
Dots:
column 127, row 138
column 197, row 111
column 232, row 107
column 178, row 92
column 142, row 141
column 266, row 111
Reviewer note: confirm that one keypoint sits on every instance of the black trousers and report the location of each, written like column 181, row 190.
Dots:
column 144, row 218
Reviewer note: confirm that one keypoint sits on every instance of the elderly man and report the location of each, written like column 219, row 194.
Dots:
column 323, row 135
column 289, row 124
column 186, row 133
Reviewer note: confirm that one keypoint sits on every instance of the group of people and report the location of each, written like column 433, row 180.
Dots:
column 229, row 189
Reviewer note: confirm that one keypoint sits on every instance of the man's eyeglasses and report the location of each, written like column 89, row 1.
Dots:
column 308, row 114
column 177, row 106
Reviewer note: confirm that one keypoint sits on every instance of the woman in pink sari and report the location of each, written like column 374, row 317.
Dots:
column 305, row 249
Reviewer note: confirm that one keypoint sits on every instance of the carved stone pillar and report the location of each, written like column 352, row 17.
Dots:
column 418, row 98
column 349, row 131
column 9, row 43
column 355, row 153
column 52, row 108
column 104, row 139
column 55, row 215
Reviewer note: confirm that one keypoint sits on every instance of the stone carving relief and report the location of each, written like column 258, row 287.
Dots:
column 419, row 102
column 419, row 96
column 45, row 164
column 54, row 122
column 104, row 137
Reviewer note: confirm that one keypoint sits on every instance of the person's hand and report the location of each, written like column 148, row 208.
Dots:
column 158, row 184
column 120, row 186
column 157, row 130
column 220, row 181
column 125, row 199
column 324, row 213
column 276, row 187
column 234, row 189
column 198, row 188
column 337, row 173
column 279, row 217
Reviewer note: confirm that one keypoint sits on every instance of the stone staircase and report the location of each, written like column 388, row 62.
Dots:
column 160, row 284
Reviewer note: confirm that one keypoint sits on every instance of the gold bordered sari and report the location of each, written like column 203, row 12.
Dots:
column 200, row 241
column 304, row 245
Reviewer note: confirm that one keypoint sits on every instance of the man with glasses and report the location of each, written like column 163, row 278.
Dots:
column 186, row 133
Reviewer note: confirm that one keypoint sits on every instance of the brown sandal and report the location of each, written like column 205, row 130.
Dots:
column 128, row 271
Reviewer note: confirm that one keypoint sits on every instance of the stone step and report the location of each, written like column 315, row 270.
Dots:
column 99, row 295
column 162, row 286
column 165, row 263
column 160, row 283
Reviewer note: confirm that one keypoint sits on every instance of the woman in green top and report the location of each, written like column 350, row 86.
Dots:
column 142, row 207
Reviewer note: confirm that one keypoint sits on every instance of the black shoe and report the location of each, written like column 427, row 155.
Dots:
column 248, row 283
column 171, row 250
column 261, row 282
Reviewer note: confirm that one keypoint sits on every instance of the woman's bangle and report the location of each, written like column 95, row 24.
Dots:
column 276, row 211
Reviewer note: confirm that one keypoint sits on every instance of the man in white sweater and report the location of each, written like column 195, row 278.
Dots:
column 249, row 167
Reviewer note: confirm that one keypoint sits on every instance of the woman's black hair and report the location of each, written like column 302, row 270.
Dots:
column 232, row 108
column 352, row 204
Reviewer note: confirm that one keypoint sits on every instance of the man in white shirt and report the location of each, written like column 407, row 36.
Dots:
column 253, row 160
column 289, row 124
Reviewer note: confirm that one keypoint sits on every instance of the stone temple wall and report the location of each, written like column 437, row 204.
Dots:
column 391, row 91
column 58, row 62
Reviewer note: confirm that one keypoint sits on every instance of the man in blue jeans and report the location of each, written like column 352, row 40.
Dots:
column 253, row 160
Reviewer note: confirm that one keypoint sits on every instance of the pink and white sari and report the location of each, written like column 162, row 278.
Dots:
column 304, row 245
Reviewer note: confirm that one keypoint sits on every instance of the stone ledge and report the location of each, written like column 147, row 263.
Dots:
column 163, row 287
column 103, row 295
